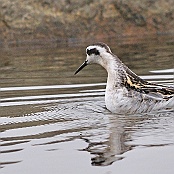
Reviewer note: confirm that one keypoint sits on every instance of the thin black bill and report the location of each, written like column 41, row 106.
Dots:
column 81, row 67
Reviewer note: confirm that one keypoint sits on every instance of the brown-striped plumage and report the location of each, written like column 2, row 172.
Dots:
column 136, row 83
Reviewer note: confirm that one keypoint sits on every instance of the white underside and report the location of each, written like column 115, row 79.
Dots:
column 118, row 101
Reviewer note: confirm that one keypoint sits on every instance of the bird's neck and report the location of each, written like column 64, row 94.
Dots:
column 116, row 73
column 115, row 78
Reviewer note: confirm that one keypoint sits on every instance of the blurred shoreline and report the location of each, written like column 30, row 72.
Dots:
column 69, row 21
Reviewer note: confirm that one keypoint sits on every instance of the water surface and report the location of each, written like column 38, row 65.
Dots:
column 55, row 122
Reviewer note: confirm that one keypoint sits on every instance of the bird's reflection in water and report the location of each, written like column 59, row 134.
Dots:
column 106, row 152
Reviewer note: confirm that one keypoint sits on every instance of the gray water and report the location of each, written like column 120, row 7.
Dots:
column 55, row 122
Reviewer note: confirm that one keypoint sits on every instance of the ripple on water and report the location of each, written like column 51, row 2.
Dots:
column 46, row 121
column 59, row 122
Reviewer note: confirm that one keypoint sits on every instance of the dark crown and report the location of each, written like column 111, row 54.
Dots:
column 92, row 51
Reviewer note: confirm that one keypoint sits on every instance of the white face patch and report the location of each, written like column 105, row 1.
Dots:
column 98, row 53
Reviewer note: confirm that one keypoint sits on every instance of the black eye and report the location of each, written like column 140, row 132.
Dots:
column 92, row 51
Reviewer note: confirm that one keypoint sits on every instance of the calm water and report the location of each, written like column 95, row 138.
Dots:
column 55, row 122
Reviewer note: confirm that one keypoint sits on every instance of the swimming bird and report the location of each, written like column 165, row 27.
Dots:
column 126, row 92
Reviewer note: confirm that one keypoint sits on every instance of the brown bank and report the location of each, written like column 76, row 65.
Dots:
column 48, row 19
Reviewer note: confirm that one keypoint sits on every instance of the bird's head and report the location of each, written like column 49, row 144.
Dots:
column 97, row 53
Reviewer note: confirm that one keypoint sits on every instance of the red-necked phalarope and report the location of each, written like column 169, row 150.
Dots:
column 125, row 91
